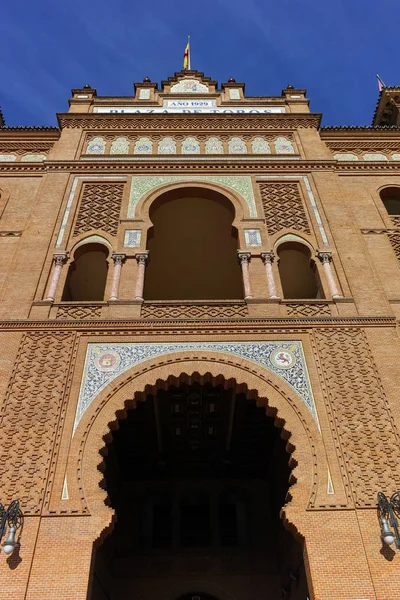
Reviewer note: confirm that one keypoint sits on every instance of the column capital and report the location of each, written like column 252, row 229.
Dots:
column 268, row 257
column 60, row 258
column 243, row 256
column 324, row 256
column 142, row 257
column 118, row 258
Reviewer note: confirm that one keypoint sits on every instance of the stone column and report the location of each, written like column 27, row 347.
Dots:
column 59, row 258
column 142, row 258
column 118, row 260
column 268, row 258
column 326, row 259
column 244, row 259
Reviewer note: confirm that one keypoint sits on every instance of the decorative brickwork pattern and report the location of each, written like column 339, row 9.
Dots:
column 30, row 416
column 283, row 207
column 185, row 311
column 99, row 208
column 395, row 220
column 308, row 310
column 360, row 416
column 79, row 312
column 395, row 241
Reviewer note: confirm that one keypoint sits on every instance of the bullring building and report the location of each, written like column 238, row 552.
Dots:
column 199, row 305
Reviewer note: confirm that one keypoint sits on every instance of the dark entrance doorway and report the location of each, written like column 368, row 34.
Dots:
column 197, row 474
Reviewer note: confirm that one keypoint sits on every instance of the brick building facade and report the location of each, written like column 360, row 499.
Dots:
column 199, row 374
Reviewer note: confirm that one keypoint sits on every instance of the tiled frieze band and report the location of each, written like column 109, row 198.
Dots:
column 240, row 184
column 105, row 362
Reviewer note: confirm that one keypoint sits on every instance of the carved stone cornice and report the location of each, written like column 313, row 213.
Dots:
column 187, row 122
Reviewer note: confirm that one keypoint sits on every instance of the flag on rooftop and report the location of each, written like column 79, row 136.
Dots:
column 186, row 55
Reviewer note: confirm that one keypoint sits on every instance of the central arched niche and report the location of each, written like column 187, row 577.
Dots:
column 197, row 473
column 193, row 247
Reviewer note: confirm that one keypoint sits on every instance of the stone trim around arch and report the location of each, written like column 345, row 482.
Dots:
column 240, row 185
column 298, row 427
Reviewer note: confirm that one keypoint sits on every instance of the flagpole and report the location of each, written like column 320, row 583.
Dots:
column 189, row 52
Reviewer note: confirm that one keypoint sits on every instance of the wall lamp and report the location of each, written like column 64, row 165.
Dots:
column 13, row 518
column 388, row 509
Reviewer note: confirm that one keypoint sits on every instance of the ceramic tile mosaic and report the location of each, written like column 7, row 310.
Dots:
column 143, row 145
column 105, row 362
column 241, row 184
column 33, row 158
column 252, row 237
column 260, row 146
column 70, row 200
column 374, row 156
column 214, row 146
column 120, row 146
column 167, row 146
column 7, row 157
column 234, row 94
column 237, row 146
column 345, row 156
column 310, row 197
column 144, row 94
column 132, row 238
column 189, row 86
column 394, row 157
column 283, row 146
column 96, row 146
column 190, row 146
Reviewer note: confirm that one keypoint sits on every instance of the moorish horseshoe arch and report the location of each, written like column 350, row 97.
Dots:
column 241, row 207
column 94, row 429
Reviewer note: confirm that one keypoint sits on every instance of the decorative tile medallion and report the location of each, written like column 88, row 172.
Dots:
column 33, row 158
column 252, row 237
column 167, row 146
column 283, row 146
column 143, row 146
column 190, row 146
column 189, row 86
column 234, row 94
column 105, row 362
column 240, row 184
column 96, row 146
column 120, row 146
column 214, row 146
column 260, row 146
column 237, row 146
column 144, row 94
column 132, row 238
column 394, row 157
column 8, row 157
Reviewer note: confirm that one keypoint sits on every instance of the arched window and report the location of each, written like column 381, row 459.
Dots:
column 298, row 272
column 192, row 247
column 87, row 274
column 390, row 197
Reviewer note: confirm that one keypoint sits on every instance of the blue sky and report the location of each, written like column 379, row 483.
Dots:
column 332, row 48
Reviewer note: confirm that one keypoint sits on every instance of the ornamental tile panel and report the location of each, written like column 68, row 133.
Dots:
column 237, row 146
column 143, row 146
column 374, row 156
column 105, row 362
column 283, row 146
column 189, row 86
column 234, row 94
column 96, row 146
column 8, row 157
column 167, row 146
column 214, row 146
column 240, row 184
column 190, row 146
column 33, row 158
column 132, row 238
column 252, row 237
column 260, row 146
column 144, row 94
column 345, row 156
column 120, row 146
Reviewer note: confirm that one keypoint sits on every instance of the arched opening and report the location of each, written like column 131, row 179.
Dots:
column 298, row 272
column 197, row 474
column 192, row 247
column 390, row 197
column 87, row 274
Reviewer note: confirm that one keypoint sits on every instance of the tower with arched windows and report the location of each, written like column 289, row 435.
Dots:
column 200, row 293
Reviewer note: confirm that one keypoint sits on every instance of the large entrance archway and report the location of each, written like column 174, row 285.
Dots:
column 197, row 474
